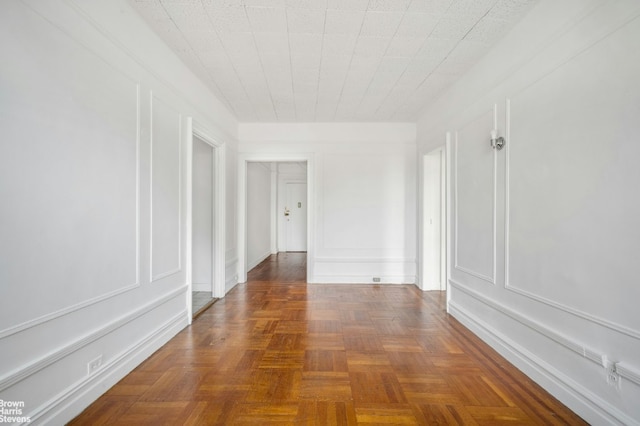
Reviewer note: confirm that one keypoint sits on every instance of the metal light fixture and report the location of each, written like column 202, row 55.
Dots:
column 496, row 142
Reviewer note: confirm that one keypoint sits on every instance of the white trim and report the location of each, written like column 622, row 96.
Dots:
column 456, row 265
column 349, row 279
column 580, row 399
column 71, row 401
column 363, row 260
column 194, row 128
column 33, row 367
column 622, row 329
column 579, row 348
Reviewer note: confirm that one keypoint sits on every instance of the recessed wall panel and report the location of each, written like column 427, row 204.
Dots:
column 68, row 176
column 567, row 175
column 474, row 192
column 165, row 189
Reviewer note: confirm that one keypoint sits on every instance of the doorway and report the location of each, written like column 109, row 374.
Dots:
column 202, row 229
column 434, row 221
column 301, row 240
column 205, row 231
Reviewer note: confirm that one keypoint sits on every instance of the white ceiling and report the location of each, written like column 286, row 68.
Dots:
column 330, row 60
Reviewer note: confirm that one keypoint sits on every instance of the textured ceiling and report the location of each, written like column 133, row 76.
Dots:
column 330, row 60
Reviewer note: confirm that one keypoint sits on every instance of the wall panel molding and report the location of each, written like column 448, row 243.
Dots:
column 108, row 295
column 491, row 279
column 154, row 103
column 628, row 372
column 39, row 364
column 91, row 387
column 513, row 287
column 533, row 366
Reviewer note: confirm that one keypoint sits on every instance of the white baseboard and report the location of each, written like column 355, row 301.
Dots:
column 581, row 400
column 363, row 279
column 70, row 402
column 259, row 260
column 200, row 287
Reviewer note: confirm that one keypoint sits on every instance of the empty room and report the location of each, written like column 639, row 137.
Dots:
column 319, row 212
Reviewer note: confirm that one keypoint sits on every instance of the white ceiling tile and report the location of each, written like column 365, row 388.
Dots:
column 306, row 62
column 348, row 4
column 272, row 43
column 364, row 64
column 435, row 48
column 343, row 22
column 230, row 19
column 335, row 64
column 152, row 11
column 239, row 44
column 453, row 28
column 323, row 60
column 307, row 4
column 203, row 41
column 371, row 46
column 435, row 7
column 388, row 5
column 267, row 19
column 417, row 24
column 381, row 24
column 305, row 21
column 265, row 3
column 510, row 10
column 338, row 44
column 488, row 30
column 411, row 79
column 306, row 77
column 395, row 65
column 275, row 62
column 305, row 89
column 305, row 44
column 405, row 46
column 471, row 8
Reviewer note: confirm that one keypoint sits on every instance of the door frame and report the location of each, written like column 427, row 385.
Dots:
column 439, row 154
column 195, row 129
column 245, row 158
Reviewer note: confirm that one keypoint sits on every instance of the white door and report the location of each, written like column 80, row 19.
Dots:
column 296, row 217
column 434, row 223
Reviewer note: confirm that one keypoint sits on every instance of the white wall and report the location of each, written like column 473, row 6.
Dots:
column 545, row 233
column 92, row 181
column 363, row 193
column 258, row 213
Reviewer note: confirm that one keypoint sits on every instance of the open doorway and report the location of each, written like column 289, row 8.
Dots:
column 202, row 230
column 205, row 233
column 289, row 211
column 434, row 221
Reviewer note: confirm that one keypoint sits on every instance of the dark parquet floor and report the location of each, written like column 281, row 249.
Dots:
column 279, row 351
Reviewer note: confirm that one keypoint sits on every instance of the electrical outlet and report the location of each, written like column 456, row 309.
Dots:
column 376, row 279
column 613, row 377
column 94, row 365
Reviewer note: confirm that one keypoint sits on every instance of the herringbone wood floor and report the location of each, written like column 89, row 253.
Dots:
column 279, row 351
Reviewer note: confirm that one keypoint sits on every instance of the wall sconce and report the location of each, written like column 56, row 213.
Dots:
column 496, row 142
